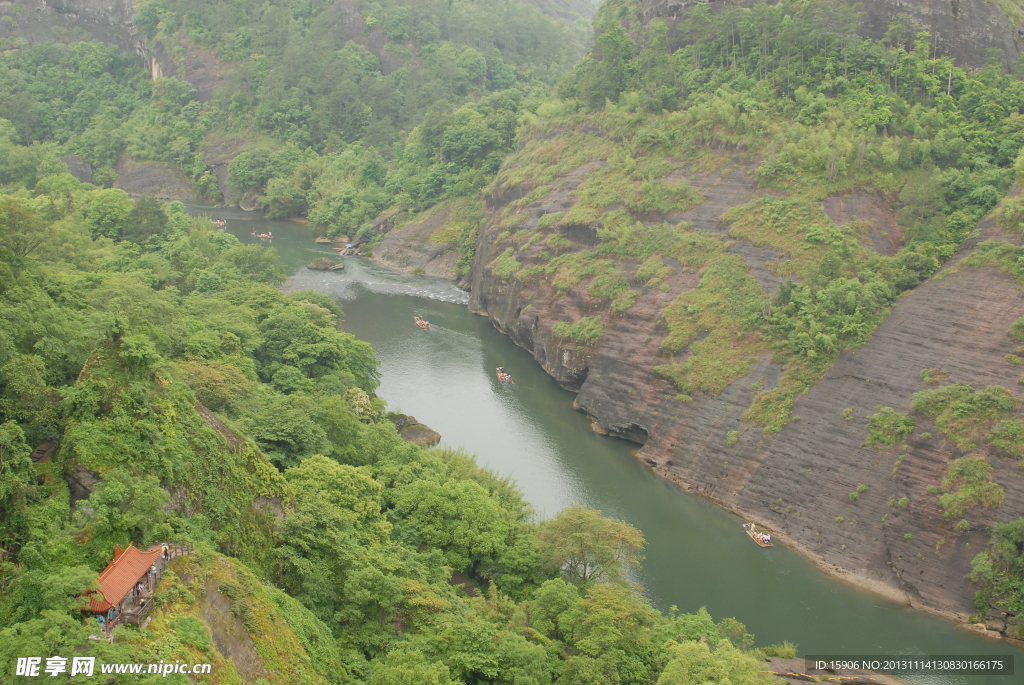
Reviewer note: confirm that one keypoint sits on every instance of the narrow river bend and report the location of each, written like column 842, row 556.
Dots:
column 696, row 554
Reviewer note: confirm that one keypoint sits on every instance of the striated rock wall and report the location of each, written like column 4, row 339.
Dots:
column 965, row 29
column 798, row 482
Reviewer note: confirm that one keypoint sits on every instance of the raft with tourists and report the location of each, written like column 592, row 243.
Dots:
column 759, row 538
column 504, row 376
column 421, row 322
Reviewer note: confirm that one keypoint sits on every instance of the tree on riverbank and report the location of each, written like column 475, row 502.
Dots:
column 587, row 548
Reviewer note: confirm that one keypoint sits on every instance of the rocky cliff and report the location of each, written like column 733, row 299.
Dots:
column 66, row 21
column 797, row 483
column 245, row 630
column 32, row 22
column 965, row 29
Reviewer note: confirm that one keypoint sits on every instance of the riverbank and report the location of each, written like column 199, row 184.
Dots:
column 697, row 554
column 617, row 392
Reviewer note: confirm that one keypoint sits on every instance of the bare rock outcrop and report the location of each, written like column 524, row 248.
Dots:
column 883, row 235
column 158, row 179
column 964, row 29
column 413, row 431
column 572, row 10
column 235, row 442
column 68, row 21
column 81, row 482
column 78, row 167
column 412, row 247
column 217, row 155
column 325, row 264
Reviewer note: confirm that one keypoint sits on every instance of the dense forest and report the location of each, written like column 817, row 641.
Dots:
column 152, row 359
column 329, row 130
column 157, row 360
column 209, row 407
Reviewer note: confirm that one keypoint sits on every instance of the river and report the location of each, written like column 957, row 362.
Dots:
column 696, row 554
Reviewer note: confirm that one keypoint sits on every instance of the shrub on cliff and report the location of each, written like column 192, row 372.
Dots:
column 887, row 427
column 968, row 483
column 999, row 570
column 964, row 414
column 1008, row 437
column 505, row 265
column 585, row 331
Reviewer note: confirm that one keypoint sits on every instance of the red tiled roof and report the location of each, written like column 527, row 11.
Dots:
column 120, row 575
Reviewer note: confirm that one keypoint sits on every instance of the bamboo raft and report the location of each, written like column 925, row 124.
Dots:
column 754, row 535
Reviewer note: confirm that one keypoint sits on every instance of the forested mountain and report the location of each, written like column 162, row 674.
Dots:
column 156, row 386
column 753, row 242
column 171, row 392
column 782, row 256
column 339, row 109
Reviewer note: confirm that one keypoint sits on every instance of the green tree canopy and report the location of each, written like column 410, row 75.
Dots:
column 587, row 548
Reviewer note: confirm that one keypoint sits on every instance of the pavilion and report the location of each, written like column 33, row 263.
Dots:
column 116, row 600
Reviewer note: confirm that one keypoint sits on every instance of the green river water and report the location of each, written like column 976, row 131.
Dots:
column 696, row 554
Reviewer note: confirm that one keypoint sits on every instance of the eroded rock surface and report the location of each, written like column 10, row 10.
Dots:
column 413, row 248
column 958, row 323
column 325, row 264
column 964, row 29
column 158, row 179
column 78, row 167
column 722, row 190
column 884, row 234
column 413, row 431
column 229, row 633
column 67, row 21
column 797, row 483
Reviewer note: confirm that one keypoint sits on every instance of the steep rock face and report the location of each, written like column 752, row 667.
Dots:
column 412, row 247
column 65, row 21
column 197, row 64
column 965, row 29
column 78, row 167
column 255, row 633
column 797, row 483
column 158, row 179
column 413, row 431
column 885, row 236
column 958, row 323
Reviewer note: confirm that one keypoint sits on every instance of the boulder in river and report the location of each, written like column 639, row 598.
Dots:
column 325, row 264
column 412, row 431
